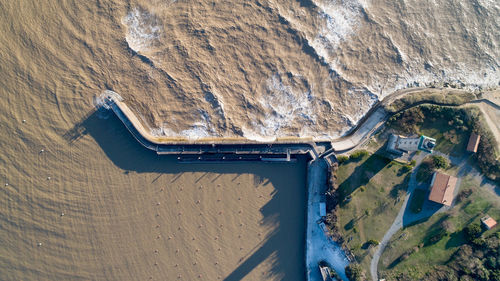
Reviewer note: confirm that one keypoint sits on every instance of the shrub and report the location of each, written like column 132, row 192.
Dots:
column 372, row 242
column 413, row 163
column 440, row 162
column 358, row 154
column 472, row 231
column 342, row 158
column 354, row 272
column 405, row 169
column 436, row 237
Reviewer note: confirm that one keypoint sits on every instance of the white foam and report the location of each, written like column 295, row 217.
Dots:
column 341, row 19
column 284, row 107
column 466, row 77
column 142, row 29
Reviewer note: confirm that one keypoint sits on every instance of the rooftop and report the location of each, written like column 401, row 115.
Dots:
column 442, row 188
column 488, row 221
column 473, row 142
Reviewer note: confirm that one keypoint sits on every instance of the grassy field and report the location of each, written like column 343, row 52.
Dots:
column 450, row 97
column 417, row 241
column 448, row 140
column 417, row 200
column 376, row 187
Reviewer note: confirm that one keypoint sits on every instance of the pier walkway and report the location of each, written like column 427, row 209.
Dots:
column 318, row 246
column 215, row 146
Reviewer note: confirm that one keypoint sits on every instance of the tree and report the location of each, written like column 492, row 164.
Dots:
column 440, row 162
column 358, row 154
column 472, row 231
column 342, row 158
column 354, row 272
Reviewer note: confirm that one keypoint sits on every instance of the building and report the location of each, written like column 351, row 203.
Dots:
column 442, row 188
column 399, row 145
column 488, row 222
column 325, row 271
column 473, row 143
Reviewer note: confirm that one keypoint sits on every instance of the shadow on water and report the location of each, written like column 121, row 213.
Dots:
column 285, row 245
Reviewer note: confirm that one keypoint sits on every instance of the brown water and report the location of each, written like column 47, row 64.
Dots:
column 132, row 215
column 258, row 69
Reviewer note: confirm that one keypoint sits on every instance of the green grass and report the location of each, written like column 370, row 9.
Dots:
column 468, row 210
column 448, row 140
column 417, row 200
column 425, row 171
column 376, row 186
column 444, row 97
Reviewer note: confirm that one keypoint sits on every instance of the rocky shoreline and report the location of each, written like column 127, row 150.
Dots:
column 332, row 203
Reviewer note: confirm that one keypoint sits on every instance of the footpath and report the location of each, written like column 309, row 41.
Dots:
column 319, row 247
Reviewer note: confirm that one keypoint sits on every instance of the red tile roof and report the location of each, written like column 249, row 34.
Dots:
column 473, row 142
column 488, row 222
column 442, row 189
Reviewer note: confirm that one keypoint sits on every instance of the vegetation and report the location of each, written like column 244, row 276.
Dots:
column 425, row 170
column 440, row 162
column 354, row 272
column 451, row 128
column 450, row 245
column 442, row 98
column 429, row 165
column 370, row 193
column 472, row 231
column 486, row 154
column 372, row 242
column 417, row 200
column 342, row 158
column 358, row 154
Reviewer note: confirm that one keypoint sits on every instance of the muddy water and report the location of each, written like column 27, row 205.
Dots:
column 112, row 210
column 81, row 200
column 257, row 69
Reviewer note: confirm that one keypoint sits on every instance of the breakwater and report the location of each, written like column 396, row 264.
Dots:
column 220, row 148
column 216, row 150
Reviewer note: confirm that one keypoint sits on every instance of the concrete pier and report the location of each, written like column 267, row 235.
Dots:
column 215, row 146
column 318, row 245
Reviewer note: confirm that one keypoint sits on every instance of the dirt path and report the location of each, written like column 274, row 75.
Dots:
column 492, row 117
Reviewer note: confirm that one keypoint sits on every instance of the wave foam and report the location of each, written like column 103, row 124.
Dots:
column 340, row 21
column 283, row 107
column 142, row 29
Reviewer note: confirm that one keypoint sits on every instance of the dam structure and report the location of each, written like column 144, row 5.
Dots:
column 318, row 245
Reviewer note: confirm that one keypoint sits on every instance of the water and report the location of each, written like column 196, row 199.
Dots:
column 258, row 69
column 306, row 68
column 95, row 205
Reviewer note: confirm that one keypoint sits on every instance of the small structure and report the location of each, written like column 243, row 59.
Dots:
column 488, row 222
column 473, row 143
column 442, row 188
column 322, row 209
column 399, row 145
column 325, row 271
